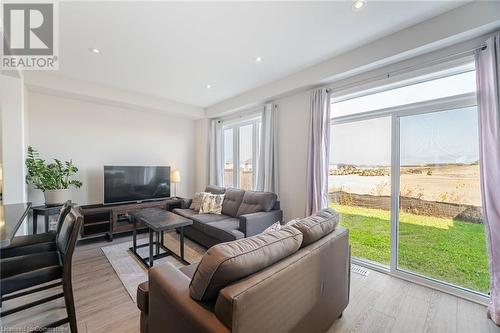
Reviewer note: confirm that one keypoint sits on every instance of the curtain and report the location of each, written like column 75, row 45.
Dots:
column 488, row 95
column 267, row 164
column 318, row 152
column 215, row 164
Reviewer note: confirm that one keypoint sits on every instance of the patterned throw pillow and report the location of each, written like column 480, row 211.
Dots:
column 197, row 199
column 273, row 227
column 212, row 204
column 278, row 226
column 290, row 223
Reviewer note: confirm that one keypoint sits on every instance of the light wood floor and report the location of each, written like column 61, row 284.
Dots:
column 379, row 303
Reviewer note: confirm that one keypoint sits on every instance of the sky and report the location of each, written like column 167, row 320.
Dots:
column 440, row 137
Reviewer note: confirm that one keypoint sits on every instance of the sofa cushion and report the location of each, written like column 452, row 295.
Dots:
column 317, row 226
column 200, row 220
column 254, row 202
column 215, row 189
column 225, row 230
column 232, row 201
column 185, row 212
column 206, row 218
column 225, row 263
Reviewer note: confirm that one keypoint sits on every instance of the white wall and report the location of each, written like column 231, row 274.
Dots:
column 13, row 137
column 293, row 114
column 94, row 134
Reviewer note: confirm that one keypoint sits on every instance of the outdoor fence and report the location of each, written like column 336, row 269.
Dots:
column 415, row 206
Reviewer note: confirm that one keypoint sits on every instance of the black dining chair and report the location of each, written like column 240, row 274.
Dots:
column 35, row 243
column 32, row 270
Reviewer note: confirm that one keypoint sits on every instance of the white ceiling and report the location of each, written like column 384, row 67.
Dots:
column 173, row 50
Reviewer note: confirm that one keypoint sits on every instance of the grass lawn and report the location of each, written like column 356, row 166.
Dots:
column 449, row 250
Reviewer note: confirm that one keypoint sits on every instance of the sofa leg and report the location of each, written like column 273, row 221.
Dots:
column 340, row 315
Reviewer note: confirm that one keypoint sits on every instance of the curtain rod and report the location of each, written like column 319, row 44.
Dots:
column 405, row 69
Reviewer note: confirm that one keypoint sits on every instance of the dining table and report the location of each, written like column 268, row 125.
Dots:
column 12, row 217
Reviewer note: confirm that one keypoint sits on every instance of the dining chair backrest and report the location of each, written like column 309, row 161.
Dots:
column 68, row 235
column 62, row 214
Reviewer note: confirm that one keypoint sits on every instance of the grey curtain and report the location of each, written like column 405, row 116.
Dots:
column 215, row 163
column 488, row 96
column 318, row 152
column 267, row 164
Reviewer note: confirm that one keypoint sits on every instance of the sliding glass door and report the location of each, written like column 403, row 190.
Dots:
column 440, row 233
column 404, row 175
column 360, row 184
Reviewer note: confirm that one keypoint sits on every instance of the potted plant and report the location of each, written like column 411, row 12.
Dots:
column 54, row 179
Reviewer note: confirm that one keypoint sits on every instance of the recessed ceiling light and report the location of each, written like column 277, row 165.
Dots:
column 209, row 86
column 95, row 50
column 258, row 59
column 358, row 4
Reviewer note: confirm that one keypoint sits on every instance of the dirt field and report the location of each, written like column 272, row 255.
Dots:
column 444, row 183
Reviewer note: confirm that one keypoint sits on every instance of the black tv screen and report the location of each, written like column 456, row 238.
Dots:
column 135, row 183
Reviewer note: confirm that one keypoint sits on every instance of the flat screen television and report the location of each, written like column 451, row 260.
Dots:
column 135, row 183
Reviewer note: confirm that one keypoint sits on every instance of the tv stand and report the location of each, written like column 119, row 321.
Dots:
column 110, row 219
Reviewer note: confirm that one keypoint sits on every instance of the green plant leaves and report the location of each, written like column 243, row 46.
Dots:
column 52, row 176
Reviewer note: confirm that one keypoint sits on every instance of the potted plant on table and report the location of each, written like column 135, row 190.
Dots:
column 54, row 179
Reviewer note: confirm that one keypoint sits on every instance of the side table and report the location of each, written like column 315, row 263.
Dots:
column 46, row 212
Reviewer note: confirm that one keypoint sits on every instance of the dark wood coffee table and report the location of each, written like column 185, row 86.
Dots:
column 158, row 220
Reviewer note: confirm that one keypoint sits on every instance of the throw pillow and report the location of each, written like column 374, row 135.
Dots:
column 212, row 204
column 278, row 226
column 291, row 222
column 317, row 226
column 197, row 199
column 273, row 227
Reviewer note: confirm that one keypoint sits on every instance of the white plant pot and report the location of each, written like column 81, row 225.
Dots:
column 56, row 197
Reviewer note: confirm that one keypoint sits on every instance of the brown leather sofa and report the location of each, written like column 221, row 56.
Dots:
column 302, row 292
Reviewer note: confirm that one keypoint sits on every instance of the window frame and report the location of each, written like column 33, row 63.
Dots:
column 396, row 113
column 236, row 126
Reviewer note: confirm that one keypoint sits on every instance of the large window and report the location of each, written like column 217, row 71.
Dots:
column 404, row 175
column 356, row 178
column 240, row 151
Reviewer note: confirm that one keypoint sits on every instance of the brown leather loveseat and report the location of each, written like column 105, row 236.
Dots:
column 292, row 280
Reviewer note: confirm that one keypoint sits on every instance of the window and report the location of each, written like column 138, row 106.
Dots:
column 355, row 177
column 404, row 175
column 240, row 151
column 440, row 231
column 228, row 158
column 428, row 90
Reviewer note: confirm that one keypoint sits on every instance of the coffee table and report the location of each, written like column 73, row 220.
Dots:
column 158, row 220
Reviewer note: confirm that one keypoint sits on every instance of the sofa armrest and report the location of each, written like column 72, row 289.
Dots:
column 171, row 309
column 142, row 297
column 186, row 203
column 255, row 223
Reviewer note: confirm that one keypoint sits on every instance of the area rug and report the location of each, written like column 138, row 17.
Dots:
column 129, row 269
